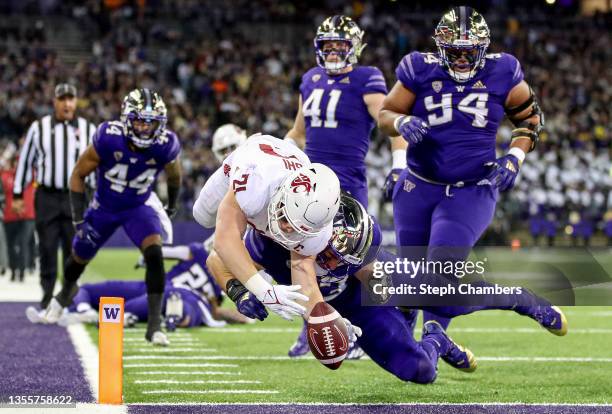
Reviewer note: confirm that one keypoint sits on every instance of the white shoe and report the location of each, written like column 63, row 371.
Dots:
column 53, row 312
column 160, row 339
column 34, row 315
column 71, row 318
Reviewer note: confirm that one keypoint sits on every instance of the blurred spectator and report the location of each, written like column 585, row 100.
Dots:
column 241, row 62
column 19, row 226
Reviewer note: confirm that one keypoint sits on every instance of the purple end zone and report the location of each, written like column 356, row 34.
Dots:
column 369, row 409
column 38, row 359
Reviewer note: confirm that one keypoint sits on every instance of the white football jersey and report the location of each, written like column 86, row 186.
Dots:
column 254, row 171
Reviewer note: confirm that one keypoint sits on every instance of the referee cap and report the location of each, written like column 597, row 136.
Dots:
column 65, row 89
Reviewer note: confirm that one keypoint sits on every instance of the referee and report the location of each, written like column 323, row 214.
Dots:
column 51, row 148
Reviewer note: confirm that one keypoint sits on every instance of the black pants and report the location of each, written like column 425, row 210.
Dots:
column 53, row 224
column 18, row 235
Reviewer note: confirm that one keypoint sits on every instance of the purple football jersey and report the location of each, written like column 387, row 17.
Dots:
column 463, row 117
column 338, row 124
column 193, row 274
column 126, row 177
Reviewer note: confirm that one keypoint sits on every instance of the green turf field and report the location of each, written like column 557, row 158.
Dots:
column 518, row 361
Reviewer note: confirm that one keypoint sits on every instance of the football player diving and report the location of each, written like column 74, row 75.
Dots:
column 448, row 106
column 338, row 108
column 346, row 264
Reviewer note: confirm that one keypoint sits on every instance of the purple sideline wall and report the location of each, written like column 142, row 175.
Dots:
column 185, row 232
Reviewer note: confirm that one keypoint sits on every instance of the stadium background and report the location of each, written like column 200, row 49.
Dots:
column 241, row 61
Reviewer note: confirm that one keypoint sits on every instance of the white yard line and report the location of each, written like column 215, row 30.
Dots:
column 310, row 357
column 167, row 373
column 197, row 382
column 163, row 364
column 228, row 391
column 88, row 353
column 170, row 349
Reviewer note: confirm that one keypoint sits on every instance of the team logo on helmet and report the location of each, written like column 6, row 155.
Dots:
column 462, row 34
column 338, row 28
column 147, row 107
column 301, row 184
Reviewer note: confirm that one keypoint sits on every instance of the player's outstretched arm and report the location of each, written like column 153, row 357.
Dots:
column 303, row 274
column 85, row 165
column 231, row 225
column 173, row 179
column 298, row 132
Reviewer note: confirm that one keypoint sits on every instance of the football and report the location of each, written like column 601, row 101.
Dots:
column 327, row 335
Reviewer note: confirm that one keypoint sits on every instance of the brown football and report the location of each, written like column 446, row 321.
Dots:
column 327, row 335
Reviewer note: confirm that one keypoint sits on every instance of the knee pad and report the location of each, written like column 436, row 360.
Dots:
column 426, row 372
column 154, row 262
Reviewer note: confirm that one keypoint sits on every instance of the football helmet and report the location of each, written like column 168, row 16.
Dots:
column 462, row 32
column 340, row 28
column 226, row 139
column 304, row 204
column 352, row 236
column 146, row 106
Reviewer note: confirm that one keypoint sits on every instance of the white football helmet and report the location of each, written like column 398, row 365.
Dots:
column 226, row 139
column 304, row 204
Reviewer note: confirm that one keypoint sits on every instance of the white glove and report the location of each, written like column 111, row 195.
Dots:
column 354, row 331
column 280, row 299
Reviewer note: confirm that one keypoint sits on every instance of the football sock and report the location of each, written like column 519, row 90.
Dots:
column 72, row 272
column 155, row 288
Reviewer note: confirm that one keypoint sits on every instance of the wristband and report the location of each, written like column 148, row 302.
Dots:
column 397, row 122
column 258, row 285
column 77, row 206
column 518, row 153
column 235, row 289
column 399, row 159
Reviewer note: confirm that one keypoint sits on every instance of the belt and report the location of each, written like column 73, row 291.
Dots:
column 458, row 184
column 52, row 190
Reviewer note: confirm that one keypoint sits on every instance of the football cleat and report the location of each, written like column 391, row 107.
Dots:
column 129, row 320
column 71, row 318
column 53, row 313
column 456, row 355
column 34, row 315
column 300, row 347
column 549, row 317
column 159, row 339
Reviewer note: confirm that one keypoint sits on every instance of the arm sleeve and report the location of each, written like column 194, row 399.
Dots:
column 23, row 175
column 176, row 252
column 374, row 82
column 406, row 71
column 206, row 206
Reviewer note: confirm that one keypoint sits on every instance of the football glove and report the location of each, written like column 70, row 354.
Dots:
column 412, row 128
column 281, row 299
column 354, row 331
column 504, row 171
column 246, row 302
column 390, row 184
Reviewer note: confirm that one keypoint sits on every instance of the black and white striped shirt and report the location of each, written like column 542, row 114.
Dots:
column 52, row 148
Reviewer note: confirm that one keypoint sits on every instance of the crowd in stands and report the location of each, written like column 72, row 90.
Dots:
column 221, row 65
